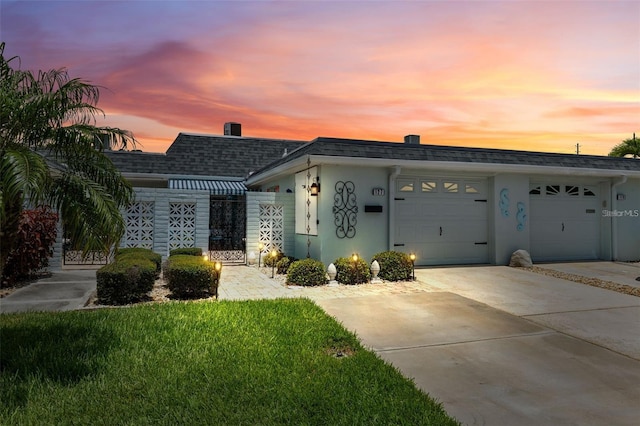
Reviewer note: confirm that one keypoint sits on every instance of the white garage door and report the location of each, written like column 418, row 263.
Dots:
column 442, row 220
column 565, row 222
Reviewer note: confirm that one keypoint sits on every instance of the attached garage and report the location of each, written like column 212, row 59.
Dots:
column 565, row 221
column 442, row 220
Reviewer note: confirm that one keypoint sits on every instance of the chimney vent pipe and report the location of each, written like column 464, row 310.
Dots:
column 232, row 129
column 412, row 139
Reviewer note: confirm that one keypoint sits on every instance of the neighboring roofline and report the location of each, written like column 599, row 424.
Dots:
column 205, row 135
column 163, row 176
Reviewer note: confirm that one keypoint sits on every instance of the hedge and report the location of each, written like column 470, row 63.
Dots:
column 125, row 280
column 191, row 276
column 189, row 251
column 143, row 252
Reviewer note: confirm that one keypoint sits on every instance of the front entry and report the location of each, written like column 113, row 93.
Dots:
column 227, row 227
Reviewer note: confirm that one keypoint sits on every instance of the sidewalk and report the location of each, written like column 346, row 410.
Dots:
column 62, row 291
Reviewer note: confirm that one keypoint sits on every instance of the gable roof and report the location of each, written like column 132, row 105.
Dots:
column 334, row 150
column 206, row 155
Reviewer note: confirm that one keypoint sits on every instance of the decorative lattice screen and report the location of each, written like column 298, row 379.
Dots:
column 271, row 226
column 139, row 220
column 182, row 225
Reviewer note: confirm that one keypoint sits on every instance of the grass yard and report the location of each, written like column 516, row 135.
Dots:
column 254, row 362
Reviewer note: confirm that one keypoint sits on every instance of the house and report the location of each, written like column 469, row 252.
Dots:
column 332, row 197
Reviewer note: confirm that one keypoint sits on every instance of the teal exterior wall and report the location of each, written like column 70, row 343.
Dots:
column 626, row 221
column 371, row 229
column 508, row 216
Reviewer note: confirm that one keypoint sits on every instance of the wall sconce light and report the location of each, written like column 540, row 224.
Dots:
column 314, row 189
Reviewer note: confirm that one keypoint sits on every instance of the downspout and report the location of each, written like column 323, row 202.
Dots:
column 392, row 205
column 614, row 219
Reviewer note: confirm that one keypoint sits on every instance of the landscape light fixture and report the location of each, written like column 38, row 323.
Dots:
column 274, row 253
column 412, row 256
column 216, row 281
column 354, row 257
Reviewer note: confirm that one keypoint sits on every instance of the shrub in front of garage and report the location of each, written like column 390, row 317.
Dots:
column 306, row 272
column 394, row 265
column 352, row 272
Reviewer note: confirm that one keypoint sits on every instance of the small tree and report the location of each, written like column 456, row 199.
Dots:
column 628, row 147
column 35, row 238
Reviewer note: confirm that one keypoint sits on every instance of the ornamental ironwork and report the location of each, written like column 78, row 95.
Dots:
column 345, row 209
column 227, row 224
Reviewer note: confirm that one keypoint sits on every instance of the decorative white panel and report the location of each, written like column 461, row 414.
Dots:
column 182, row 225
column 271, row 226
column 139, row 220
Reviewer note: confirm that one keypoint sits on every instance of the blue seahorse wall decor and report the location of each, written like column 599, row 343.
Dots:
column 504, row 202
column 521, row 216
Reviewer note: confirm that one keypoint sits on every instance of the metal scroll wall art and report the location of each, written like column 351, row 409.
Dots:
column 345, row 209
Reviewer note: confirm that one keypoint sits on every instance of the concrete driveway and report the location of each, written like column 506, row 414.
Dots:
column 499, row 345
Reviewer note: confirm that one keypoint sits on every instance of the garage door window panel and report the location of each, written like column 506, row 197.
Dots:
column 450, row 187
column 405, row 185
column 429, row 186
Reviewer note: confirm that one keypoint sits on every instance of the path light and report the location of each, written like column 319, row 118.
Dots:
column 274, row 253
column 412, row 256
column 354, row 257
column 205, row 256
column 260, row 248
column 216, row 281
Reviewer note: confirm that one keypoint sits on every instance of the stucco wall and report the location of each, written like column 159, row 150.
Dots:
column 508, row 216
column 371, row 229
column 626, row 223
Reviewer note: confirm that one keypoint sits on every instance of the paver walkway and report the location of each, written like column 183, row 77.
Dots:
column 248, row 282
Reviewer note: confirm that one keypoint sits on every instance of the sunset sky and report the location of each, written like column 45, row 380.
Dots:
column 533, row 75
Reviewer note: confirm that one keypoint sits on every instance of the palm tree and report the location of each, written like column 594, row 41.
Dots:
column 51, row 152
column 629, row 146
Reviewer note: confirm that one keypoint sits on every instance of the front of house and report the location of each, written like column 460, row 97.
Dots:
column 330, row 198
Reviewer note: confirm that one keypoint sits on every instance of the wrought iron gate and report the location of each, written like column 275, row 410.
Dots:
column 227, row 227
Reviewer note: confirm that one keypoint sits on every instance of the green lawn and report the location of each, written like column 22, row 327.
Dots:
column 254, row 362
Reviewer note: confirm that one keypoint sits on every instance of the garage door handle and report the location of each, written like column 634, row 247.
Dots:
column 398, row 245
column 441, row 231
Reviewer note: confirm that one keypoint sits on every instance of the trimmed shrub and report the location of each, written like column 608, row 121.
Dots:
column 306, row 272
column 268, row 260
column 33, row 245
column 283, row 264
column 350, row 272
column 125, row 280
column 142, row 252
column 189, row 251
column 191, row 276
column 394, row 266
